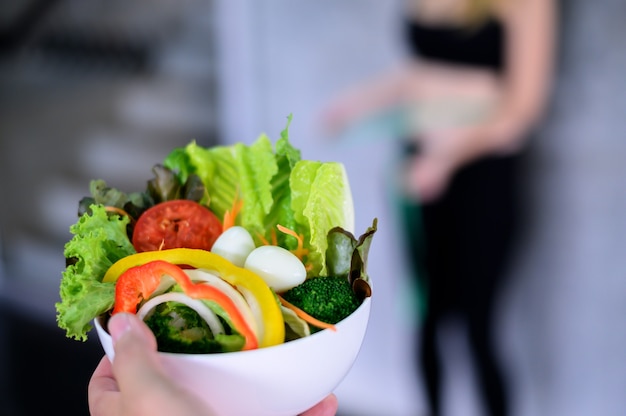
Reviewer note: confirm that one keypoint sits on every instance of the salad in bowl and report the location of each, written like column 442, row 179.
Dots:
column 241, row 259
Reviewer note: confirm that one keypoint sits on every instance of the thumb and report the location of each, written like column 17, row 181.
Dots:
column 136, row 364
column 142, row 380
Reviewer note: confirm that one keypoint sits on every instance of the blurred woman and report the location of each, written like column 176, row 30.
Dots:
column 475, row 86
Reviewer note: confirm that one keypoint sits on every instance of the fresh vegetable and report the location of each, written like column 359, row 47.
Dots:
column 252, row 287
column 231, row 215
column 305, row 317
column 205, row 252
column 182, row 324
column 174, row 224
column 179, row 328
column 275, row 186
column 139, row 282
column 165, row 186
column 208, row 278
column 99, row 240
column 329, row 299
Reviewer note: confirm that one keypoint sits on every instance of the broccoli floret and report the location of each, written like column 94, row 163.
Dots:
column 327, row 298
column 180, row 329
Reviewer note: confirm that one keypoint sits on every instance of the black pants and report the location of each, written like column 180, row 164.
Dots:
column 460, row 246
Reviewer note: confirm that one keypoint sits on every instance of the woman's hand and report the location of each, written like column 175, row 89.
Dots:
column 136, row 383
column 444, row 151
column 327, row 407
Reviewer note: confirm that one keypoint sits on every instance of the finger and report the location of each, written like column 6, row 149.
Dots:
column 136, row 365
column 327, row 407
column 121, row 323
column 103, row 370
column 144, row 386
column 103, row 392
column 143, row 382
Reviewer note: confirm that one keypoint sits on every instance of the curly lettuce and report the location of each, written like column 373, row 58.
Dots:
column 99, row 240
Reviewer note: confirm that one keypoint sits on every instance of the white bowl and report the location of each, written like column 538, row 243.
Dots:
column 283, row 380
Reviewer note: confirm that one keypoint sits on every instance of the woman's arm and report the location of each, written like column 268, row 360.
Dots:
column 531, row 27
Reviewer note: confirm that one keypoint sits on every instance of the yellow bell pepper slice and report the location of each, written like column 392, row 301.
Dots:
column 244, row 280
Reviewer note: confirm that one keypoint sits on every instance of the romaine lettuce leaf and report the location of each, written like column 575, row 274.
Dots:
column 321, row 200
column 256, row 165
column 282, row 213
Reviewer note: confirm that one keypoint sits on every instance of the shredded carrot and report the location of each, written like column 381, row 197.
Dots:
column 300, row 251
column 273, row 238
column 263, row 239
column 308, row 318
column 231, row 215
column 119, row 211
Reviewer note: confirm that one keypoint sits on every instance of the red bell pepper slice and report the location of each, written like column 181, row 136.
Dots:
column 140, row 282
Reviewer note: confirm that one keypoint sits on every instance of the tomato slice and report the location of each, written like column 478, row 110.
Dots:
column 179, row 223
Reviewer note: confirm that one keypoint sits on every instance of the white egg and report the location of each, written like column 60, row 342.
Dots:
column 234, row 244
column 279, row 267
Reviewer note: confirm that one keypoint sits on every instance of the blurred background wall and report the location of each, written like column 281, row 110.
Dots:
column 97, row 89
column 104, row 89
column 563, row 330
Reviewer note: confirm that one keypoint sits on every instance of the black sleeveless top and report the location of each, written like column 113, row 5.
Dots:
column 482, row 46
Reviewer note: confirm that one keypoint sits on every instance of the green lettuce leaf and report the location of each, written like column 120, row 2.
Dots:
column 231, row 172
column 281, row 213
column 256, row 165
column 321, row 200
column 295, row 327
column 99, row 240
column 276, row 186
column 347, row 257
